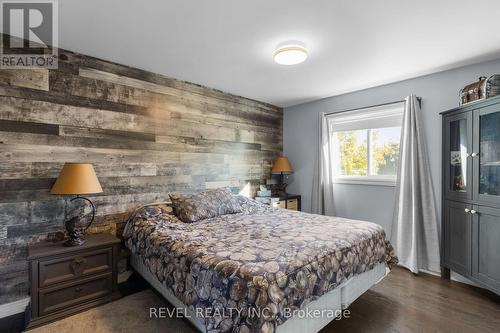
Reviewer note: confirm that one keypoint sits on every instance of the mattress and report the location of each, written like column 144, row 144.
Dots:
column 262, row 260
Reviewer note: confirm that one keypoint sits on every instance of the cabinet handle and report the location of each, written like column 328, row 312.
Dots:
column 467, row 210
column 78, row 289
column 467, row 155
column 473, row 154
column 473, row 211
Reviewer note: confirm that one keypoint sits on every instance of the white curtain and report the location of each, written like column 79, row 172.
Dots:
column 322, row 192
column 415, row 232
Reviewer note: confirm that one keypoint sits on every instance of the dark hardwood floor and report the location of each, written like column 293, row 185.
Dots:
column 403, row 302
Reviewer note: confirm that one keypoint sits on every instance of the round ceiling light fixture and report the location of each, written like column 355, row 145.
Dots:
column 291, row 53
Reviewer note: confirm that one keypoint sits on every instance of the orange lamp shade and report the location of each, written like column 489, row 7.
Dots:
column 77, row 178
column 281, row 165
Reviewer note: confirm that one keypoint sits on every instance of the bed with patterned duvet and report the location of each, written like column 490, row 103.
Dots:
column 246, row 270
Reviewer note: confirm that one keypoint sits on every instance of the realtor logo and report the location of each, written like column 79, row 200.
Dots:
column 29, row 38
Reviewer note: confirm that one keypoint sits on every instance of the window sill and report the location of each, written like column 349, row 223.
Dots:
column 370, row 181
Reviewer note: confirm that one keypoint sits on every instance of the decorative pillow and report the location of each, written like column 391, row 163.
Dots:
column 203, row 205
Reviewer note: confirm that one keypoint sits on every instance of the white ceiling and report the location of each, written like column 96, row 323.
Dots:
column 228, row 44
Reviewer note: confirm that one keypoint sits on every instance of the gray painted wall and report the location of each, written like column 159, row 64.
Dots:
column 374, row 203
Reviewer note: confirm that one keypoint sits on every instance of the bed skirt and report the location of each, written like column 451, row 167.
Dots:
column 337, row 299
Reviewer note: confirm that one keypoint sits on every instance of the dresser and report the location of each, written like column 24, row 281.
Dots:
column 471, row 193
column 66, row 280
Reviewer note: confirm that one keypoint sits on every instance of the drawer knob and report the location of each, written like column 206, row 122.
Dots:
column 78, row 289
column 467, row 210
column 473, row 211
column 79, row 261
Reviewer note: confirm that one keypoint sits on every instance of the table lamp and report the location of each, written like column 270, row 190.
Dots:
column 282, row 166
column 77, row 179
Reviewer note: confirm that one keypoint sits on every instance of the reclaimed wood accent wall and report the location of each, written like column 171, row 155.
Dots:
column 145, row 134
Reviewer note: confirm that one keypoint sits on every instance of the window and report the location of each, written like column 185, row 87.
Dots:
column 365, row 144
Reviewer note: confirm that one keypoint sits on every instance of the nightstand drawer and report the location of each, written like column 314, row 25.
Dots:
column 78, row 265
column 62, row 297
column 292, row 204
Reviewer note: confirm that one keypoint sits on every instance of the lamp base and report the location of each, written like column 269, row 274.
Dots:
column 74, row 242
column 279, row 189
column 76, row 226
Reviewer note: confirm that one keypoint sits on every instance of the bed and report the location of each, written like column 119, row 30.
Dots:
column 264, row 269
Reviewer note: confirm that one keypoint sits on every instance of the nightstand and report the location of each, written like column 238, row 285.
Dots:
column 67, row 280
column 289, row 201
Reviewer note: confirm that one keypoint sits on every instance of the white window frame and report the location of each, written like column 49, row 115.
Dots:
column 392, row 113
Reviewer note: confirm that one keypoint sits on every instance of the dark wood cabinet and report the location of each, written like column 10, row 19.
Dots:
column 66, row 280
column 471, row 192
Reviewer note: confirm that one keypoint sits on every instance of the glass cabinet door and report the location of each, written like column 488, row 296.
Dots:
column 458, row 139
column 486, row 154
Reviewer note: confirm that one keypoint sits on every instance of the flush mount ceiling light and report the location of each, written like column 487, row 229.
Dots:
column 290, row 54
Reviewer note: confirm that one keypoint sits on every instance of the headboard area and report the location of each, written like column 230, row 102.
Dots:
column 145, row 134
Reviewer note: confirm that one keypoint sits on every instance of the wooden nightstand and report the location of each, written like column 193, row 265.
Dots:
column 67, row 280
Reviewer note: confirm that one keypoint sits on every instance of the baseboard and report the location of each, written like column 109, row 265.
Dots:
column 12, row 316
column 12, row 308
column 420, row 270
column 429, row 272
column 13, row 324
